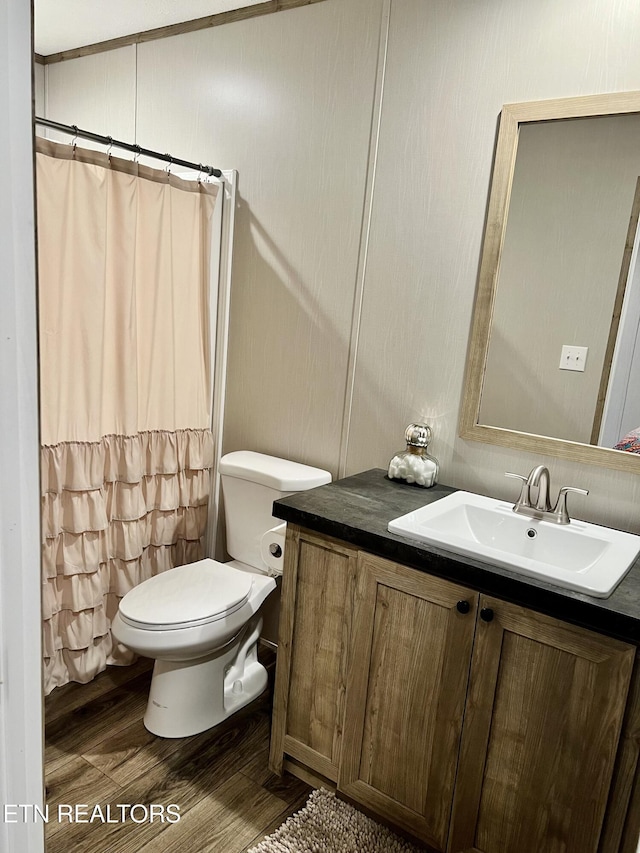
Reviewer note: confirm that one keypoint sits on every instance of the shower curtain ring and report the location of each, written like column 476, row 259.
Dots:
column 74, row 141
column 200, row 171
column 136, row 159
column 170, row 161
column 110, row 146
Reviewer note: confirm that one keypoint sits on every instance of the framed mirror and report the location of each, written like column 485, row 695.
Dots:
column 552, row 364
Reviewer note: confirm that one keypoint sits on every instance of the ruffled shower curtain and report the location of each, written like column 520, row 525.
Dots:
column 126, row 445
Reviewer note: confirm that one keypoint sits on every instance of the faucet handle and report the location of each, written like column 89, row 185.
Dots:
column 560, row 510
column 523, row 500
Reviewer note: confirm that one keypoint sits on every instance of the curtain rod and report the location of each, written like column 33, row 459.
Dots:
column 127, row 146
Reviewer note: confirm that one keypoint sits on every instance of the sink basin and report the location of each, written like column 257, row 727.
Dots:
column 579, row 556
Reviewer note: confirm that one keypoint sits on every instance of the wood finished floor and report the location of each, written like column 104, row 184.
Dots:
column 98, row 752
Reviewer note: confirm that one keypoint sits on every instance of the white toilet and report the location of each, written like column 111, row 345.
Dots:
column 200, row 622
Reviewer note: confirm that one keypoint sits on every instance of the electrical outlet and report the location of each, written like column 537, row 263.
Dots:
column 573, row 358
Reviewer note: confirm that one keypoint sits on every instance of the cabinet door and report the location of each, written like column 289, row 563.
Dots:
column 315, row 634
column 405, row 695
column 622, row 821
column 541, row 728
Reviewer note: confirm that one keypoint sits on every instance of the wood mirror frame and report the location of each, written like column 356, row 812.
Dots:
column 512, row 116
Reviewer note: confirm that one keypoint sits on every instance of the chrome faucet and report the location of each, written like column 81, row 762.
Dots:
column 539, row 478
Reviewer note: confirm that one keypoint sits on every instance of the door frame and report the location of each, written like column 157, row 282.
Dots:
column 21, row 704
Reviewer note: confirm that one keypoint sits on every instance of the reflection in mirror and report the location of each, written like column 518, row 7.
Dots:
column 559, row 270
column 571, row 199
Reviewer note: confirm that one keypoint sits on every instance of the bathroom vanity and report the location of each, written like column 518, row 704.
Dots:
column 473, row 708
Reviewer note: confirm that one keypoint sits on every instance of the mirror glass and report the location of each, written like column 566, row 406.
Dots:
column 553, row 365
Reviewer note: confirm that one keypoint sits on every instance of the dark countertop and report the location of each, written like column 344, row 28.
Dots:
column 357, row 510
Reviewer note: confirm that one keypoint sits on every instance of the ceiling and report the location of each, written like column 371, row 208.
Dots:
column 67, row 24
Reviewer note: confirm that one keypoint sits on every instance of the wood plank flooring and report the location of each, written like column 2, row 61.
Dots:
column 98, row 753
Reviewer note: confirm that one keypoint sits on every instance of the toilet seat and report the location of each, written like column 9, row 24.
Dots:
column 187, row 596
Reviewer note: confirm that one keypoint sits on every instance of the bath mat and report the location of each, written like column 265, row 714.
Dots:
column 328, row 825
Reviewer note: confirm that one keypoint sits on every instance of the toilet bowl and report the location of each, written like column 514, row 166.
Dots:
column 201, row 622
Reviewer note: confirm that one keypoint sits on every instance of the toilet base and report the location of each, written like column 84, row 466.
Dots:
column 188, row 697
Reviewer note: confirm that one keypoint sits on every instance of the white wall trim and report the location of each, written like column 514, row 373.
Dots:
column 365, row 231
column 220, row 351
column 21, row 717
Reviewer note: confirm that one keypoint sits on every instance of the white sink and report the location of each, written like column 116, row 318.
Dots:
column 579, row 556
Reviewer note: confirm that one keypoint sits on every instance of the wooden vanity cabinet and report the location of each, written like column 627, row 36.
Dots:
column 476, row 725
column 314, row 641
column 542, row 723
column 406, row 694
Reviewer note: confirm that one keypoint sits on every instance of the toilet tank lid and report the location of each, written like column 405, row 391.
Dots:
column 280, row 474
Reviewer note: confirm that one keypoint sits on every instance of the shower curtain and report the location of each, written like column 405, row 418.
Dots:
column 125, row 385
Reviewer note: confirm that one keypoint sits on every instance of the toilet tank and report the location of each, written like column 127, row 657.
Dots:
column 251, row 482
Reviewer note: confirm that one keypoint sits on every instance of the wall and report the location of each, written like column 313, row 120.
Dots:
column 290, row 101
column 450, row 67
column 293, row 115
column 39, row 89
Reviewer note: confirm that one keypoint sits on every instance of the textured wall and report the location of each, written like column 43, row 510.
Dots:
column 97, row 93
column 38, row 89
column 451, row 66
column 288, row 100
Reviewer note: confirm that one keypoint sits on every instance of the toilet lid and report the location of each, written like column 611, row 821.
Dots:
column 189, row 595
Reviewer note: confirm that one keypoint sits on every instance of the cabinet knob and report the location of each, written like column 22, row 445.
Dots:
column 486, row 614
column 463, row 606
